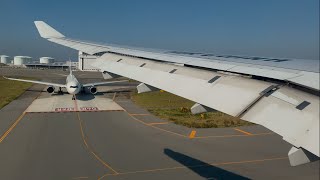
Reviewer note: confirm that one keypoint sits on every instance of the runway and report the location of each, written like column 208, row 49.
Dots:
column 130, row 143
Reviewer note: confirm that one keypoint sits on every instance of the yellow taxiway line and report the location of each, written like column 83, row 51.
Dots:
column 242, row 131
column 140, row 114
column 15, row 123
column 12, row 127
column 157, row 123
column 235, row 135
column 90, row 149
column 136, row 119
column 84, row 177
column 245, row 134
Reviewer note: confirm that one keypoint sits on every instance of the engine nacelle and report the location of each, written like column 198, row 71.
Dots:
column 92, row 90
column 50, row 89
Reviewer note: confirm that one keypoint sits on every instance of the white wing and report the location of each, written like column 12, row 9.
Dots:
column 102, row 83
column 38, row 82
column 280, row 94
column 301, row 72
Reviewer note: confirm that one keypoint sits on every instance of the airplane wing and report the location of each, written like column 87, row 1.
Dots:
column 102, row 83
column 278, row 93
column 38, row 82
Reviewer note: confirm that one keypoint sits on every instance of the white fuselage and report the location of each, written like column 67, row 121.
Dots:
column 73, row 85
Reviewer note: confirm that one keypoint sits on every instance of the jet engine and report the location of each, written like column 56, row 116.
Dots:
column 50, row 89
column 93, row 90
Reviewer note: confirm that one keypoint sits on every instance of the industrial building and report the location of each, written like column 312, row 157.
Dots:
column 46, row 60
column 21, row 60
column 44, row 64
column 85, row 61
column 5, row 59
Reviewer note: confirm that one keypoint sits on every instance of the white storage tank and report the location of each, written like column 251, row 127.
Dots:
column 5, row 59
column 46, row 60
column 21, row 60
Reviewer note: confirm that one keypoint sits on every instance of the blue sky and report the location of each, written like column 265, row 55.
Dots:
column 272, row 28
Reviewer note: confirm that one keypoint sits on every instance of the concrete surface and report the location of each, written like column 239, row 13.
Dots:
column 63, row 103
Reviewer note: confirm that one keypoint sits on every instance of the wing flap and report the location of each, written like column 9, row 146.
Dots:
column 238, row 91
column 280, row 114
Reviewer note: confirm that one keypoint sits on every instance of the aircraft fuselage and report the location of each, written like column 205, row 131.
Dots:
column 72, row 85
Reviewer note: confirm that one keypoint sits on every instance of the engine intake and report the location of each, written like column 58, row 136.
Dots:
column 50, row 89
column 93, row 90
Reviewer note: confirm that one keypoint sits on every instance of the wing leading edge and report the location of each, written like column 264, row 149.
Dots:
column 38, row 82
column 102, row 83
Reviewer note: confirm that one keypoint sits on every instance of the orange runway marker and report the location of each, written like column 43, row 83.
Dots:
column 192, row 134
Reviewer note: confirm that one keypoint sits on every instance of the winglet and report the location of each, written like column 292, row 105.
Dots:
column 47, row 31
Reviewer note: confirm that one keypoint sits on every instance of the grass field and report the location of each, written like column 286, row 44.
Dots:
column 176, row 109
column 10, row 90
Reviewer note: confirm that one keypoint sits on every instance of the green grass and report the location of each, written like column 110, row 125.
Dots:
column 10, row 90
column 176, row 109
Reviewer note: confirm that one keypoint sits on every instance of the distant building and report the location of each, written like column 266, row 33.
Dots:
column 64, row 65
column 21, row 60
column 5, row 59
column 46, row 60
column 85, row 61
column 75, row 64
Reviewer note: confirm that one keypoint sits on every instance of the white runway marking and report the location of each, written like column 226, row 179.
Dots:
column 64, row 103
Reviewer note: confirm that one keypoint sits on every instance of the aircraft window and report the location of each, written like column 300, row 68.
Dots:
column 73, row 86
